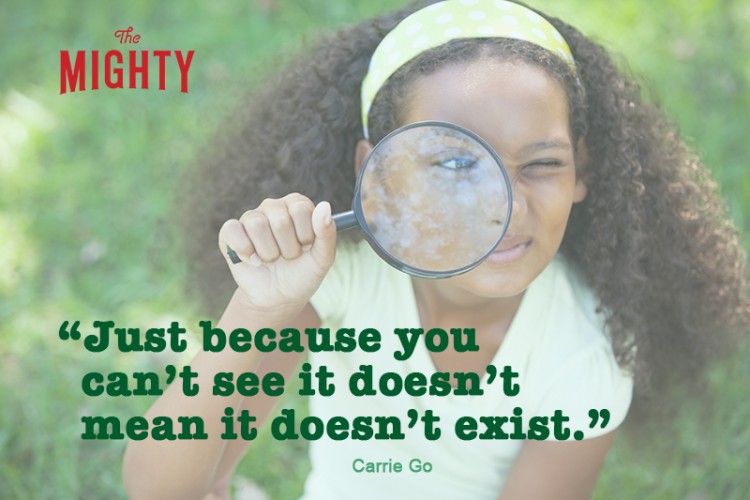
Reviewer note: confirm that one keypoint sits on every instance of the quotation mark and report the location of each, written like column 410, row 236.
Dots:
column 73, row 334
column 594, row 416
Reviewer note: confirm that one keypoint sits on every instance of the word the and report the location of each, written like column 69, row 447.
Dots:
column 125, row 36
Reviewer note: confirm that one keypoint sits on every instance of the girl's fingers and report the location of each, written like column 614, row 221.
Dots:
column 280, row 228
column 300, row 210
column 324, row 248
column 286, row 238
column 258, row 229
column 232, row 235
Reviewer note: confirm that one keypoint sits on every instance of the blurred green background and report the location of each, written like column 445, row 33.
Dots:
column 87, row 180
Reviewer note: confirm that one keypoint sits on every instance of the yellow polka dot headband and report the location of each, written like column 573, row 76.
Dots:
column 442, row 22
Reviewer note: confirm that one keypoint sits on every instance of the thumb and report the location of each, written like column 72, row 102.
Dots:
column 324, row 246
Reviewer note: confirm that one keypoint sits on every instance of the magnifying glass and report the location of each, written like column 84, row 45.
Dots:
column 432, row 199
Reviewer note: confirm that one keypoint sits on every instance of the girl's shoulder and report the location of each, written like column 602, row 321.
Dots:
column 566, row 351
column 561, row 295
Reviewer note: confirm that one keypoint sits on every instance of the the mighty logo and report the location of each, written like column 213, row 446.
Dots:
column 122, row 68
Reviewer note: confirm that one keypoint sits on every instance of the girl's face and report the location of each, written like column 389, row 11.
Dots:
column 522, row 113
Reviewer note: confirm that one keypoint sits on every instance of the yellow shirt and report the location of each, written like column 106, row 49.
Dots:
column 556, row 343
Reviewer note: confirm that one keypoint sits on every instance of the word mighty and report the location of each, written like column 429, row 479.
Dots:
column 117, row 74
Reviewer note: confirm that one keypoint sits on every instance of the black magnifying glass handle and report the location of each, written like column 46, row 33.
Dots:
column 343, row 221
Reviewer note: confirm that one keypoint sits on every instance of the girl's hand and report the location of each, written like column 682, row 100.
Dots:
column 287, row 246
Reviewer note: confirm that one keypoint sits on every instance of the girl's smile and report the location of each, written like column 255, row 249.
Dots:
column 509, row 250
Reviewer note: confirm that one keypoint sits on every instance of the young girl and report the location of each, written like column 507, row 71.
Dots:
column 618, row 266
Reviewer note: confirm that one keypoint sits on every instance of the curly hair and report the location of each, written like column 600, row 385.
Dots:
column 652, row 237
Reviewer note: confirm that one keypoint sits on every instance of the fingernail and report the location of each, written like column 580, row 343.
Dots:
column 327, row 219
column 255, row 260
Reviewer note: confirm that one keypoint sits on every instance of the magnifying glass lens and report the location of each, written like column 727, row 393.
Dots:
column 434, row 198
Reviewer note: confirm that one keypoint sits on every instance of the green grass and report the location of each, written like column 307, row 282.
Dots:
column 87, row 180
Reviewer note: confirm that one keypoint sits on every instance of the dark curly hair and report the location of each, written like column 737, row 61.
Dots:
column 652, row 236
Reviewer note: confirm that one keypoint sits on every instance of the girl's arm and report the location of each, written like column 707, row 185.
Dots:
column 287, row 246
column 552, row 470
column 191, row 468
column 262, row 405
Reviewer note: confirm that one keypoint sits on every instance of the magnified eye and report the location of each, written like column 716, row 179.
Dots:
column 456, row 162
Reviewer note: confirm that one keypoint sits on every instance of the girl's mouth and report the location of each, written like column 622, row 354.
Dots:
column 510, row 250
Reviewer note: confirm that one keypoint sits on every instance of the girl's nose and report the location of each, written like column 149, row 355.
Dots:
column 519, row 205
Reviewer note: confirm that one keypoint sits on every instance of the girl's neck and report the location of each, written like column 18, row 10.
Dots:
column 444, row 305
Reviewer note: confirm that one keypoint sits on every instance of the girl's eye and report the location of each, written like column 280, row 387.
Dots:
column 543, row 167
column 456, row 163
column 545, row 164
